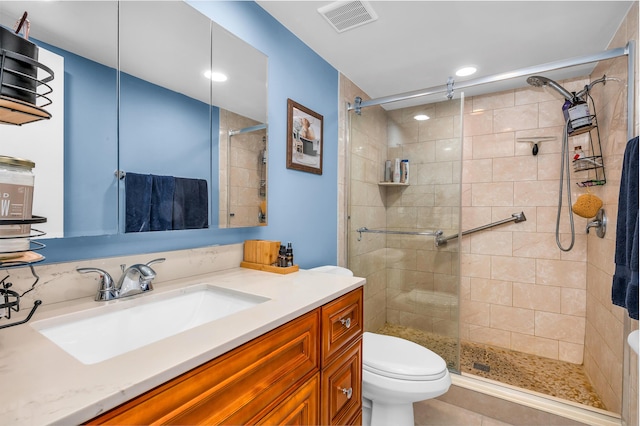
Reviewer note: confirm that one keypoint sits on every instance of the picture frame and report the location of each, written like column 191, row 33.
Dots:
column 304, row 138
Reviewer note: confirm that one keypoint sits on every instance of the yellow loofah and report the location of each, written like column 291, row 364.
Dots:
column 587, row 205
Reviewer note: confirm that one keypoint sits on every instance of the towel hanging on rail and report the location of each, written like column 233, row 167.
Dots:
column 624, row 291
column 163, row 203
column 137, row 202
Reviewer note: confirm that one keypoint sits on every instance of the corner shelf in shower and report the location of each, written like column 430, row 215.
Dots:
column 594, row 164
column 393, row 183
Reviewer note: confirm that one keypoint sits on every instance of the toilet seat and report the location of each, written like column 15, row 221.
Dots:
column 397, row 358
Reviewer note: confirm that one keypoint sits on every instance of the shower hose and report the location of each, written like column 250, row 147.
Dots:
column 565, row 166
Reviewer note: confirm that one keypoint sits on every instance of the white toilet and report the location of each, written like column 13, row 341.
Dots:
column 395, row 374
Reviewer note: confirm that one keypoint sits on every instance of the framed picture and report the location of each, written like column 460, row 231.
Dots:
column 304, row 139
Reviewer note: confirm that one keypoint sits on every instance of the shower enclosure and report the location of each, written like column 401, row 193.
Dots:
column 243, row 171
column 505, row 289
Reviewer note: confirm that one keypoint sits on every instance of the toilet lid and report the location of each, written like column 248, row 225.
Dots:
column 400, row 359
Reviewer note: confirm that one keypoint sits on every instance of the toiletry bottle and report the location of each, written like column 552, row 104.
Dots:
column 282, row 256
column 578, row 154
column 387, row 171
column 405, row 171
column 579, row 114
column 565, row 112
column 396, row 171
column 289, row 254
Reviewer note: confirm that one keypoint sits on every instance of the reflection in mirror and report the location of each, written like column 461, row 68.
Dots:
column 84, row 34
column 76, row 150
column 166, row 117
column 243, row 174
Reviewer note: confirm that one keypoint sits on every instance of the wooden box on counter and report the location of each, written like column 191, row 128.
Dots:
column 263, row 252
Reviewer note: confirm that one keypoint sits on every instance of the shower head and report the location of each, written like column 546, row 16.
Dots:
column 540, row 81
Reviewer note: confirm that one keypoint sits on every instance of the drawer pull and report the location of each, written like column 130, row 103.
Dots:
column 348, row 392
column 346, row 322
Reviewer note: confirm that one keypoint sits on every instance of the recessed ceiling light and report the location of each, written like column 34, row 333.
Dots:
column 466, row 71
column 421, row 117
column 215, row 76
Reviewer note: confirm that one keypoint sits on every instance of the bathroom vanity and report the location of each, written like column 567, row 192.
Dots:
column 294, row 358
column 305, row 372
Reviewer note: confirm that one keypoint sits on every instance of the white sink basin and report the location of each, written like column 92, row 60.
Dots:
column 100, row 333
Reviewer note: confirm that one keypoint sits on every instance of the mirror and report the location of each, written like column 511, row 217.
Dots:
column 171, row 120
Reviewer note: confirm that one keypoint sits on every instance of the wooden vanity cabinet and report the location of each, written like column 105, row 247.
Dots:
column 282, row 377
column 341, row 392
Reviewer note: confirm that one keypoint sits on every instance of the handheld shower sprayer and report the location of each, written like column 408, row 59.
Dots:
column 540, row 81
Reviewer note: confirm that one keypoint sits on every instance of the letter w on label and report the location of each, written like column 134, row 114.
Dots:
column 4, row 207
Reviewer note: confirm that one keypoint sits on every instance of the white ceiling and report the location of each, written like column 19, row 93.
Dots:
column 416, row 45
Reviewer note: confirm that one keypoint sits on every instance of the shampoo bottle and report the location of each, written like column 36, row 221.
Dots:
column 396, row 171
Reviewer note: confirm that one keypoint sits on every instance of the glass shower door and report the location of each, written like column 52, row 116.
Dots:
column 413, row 285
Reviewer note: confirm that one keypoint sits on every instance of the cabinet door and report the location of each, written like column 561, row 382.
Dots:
column 301, row 408
column 341, row 387
column 341, row 324
column 235, row 388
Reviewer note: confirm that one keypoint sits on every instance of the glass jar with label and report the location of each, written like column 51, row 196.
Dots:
column 16, row 198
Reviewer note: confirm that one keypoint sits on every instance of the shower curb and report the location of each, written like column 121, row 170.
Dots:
column 558, row 407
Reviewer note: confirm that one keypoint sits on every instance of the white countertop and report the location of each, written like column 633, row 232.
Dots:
column 42, row 384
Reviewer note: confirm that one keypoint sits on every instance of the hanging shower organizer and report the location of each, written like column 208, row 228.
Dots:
column 16, row 108
column 594, row 161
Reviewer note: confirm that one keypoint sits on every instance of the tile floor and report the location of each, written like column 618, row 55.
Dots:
column 550, row 377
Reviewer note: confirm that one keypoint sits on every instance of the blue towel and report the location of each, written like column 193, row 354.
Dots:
column 162, row 190
column 624, row 291
column 137, row 202
column 190, row 204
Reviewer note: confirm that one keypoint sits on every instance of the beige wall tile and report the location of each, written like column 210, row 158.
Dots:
column 513, row 269
column 526, row 343
column 560, row 327
column 537, row 297
column 513, row 319
column 515, row 169
column 478, row 123
column 492, row 243
column 492, row 194
column 574, row 301
column 535, row 245
column 490, row 336
column 516, row 118
column 492, row 145
column 561, row 273
column 491, row 291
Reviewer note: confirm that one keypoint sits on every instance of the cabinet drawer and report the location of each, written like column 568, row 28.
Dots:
column 301, row 408
column 341, row 387
column 239, row 386
column 341, row 323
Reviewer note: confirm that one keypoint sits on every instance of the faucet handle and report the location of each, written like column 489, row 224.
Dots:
column 107, row 290
column 159, row 260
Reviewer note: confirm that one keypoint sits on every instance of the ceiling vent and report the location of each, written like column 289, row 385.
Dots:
column 345, row 15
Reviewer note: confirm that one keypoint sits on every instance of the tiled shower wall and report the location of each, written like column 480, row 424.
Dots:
column 368, row 151
column 518, row 289
column 240, row 201
column 604, row 357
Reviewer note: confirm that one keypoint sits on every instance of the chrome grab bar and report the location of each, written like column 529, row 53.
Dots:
column 516, row 217
column 436, row 234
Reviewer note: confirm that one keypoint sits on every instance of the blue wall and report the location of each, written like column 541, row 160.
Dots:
column 302, row 206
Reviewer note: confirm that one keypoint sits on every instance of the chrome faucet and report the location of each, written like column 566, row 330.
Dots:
column 134, row 280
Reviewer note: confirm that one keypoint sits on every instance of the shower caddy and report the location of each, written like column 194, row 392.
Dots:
column 594, row 161
column 23, row 98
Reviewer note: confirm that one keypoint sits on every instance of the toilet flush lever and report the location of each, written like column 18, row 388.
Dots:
column 348, row 392
column 346, row 322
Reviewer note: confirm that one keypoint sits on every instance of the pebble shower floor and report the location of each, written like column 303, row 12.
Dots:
column 548, row 376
